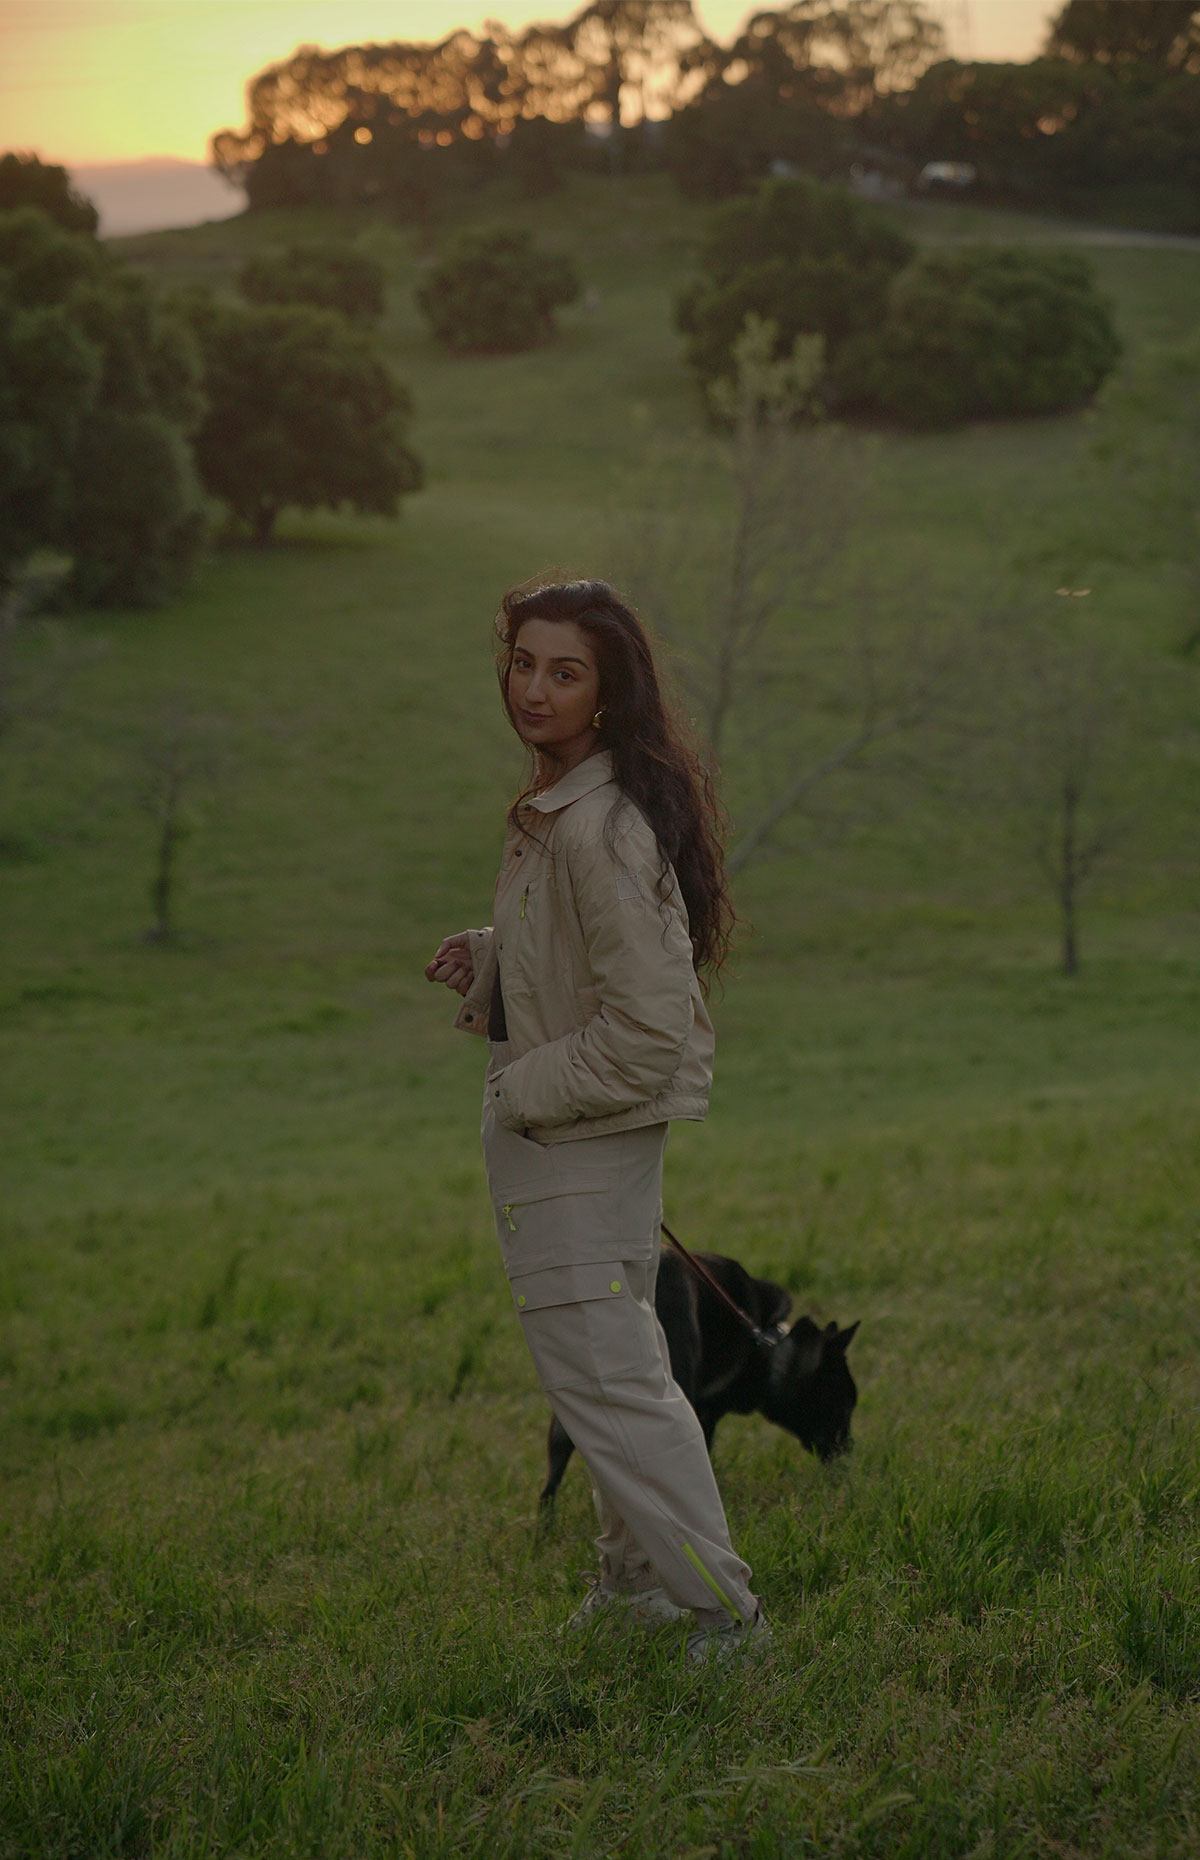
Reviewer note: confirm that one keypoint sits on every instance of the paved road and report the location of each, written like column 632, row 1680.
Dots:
column 1079, row 232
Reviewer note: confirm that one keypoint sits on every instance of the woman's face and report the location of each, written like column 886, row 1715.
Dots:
column 554, row 690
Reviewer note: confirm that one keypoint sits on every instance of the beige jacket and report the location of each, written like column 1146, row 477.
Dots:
column 607, row 1027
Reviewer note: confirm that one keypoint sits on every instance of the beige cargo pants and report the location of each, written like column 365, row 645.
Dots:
column 578, row 1224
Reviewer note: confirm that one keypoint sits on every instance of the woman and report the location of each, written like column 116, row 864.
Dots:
column 611, row 896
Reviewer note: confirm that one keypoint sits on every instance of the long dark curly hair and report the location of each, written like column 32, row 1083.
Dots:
column 654, row 761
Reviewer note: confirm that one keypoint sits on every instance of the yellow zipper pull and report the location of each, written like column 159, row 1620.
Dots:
column 524, row 898
column 506, row 1211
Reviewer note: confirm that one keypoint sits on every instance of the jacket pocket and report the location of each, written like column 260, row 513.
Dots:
column 520, row 1170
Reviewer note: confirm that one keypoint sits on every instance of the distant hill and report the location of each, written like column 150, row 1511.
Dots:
column 149, row 196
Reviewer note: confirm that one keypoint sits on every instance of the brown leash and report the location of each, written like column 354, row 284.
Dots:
column 761, row 1337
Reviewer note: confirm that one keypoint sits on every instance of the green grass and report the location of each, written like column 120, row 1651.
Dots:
column 272, row 1580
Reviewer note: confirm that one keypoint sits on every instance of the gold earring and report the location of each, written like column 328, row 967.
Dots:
column 597, row 720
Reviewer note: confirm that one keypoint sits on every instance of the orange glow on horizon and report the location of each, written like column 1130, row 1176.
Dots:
column 92, row 81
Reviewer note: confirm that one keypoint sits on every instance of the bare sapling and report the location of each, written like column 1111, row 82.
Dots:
column 1056, row 735
column 785, row 692
column 180, row 764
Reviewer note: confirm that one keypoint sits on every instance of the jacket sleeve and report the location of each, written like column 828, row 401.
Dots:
column 640, row 956
column 472, row 1016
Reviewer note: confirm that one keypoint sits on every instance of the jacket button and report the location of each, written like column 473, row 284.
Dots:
column 615, row 1286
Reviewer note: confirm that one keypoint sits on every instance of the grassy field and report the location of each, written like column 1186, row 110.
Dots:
column 272, row 1581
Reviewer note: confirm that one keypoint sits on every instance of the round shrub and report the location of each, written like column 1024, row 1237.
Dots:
column 303, row 412
column 496, row 292
column 974, row 331
column 810, row 259
column 331, row 276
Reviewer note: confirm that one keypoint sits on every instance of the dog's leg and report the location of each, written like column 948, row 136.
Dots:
column 559, row 1448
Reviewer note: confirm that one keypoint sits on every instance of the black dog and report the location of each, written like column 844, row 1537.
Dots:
column 800, row 1381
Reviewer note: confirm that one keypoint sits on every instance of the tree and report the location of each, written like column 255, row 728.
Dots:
column 1052, row 132
column 137, row 522
column 1018, row 124
column 642, row 57
column 797, row 86
column 806, row 258
column 48, row 377
column 787, row 700
column 26, row 181
column 496, row 292
column 1058, row 757
column 728, row 139
column 539, row 150
column 356, row 123
column 330, row 275
column 978, row 331
column 103, row 389
column 42, row 264
column 178, row 762
column 301, row 412
column 1128, row 33
column 717, row 596
column 846, row 55
column 464, row 86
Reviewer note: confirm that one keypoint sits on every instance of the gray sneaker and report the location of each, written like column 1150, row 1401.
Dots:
column 722, row 1641
column 643, row 1608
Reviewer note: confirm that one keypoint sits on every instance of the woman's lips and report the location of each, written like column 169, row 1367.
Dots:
column 534, row 716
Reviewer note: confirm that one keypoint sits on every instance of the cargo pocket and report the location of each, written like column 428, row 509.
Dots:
column 550, row 1227
column 585, row 1325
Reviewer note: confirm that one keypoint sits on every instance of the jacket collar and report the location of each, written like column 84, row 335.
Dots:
column 593, row 772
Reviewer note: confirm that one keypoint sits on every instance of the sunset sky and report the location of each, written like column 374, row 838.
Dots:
column 86, row 81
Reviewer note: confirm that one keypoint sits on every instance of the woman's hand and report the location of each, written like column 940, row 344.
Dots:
column 452, row 963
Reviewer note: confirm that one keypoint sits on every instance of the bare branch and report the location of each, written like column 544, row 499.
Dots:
column 887, row 703
column 180, row 760
column 1058, row 738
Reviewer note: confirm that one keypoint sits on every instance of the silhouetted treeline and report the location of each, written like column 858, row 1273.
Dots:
column 355, row 124
column 380, row 122
column 1113, row 103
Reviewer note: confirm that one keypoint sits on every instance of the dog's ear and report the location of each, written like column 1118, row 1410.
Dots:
column 807, row 1343
column 845, row 1338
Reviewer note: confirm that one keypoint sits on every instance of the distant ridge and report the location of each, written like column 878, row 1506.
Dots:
column 150, row 195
